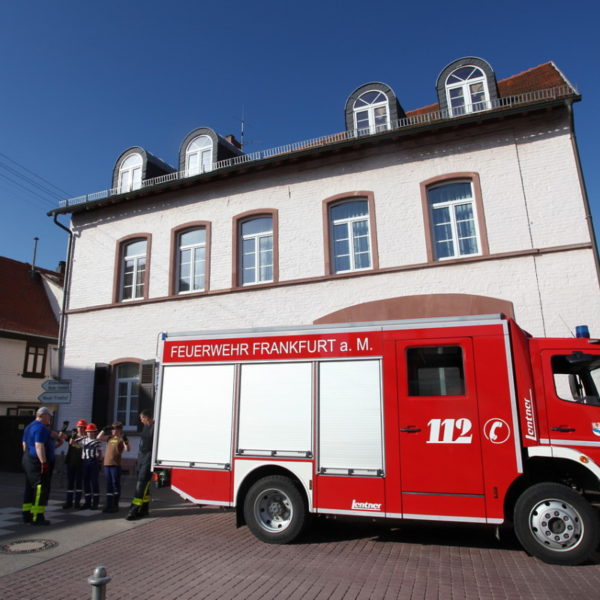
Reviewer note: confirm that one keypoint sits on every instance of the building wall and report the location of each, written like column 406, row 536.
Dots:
column 532, row 202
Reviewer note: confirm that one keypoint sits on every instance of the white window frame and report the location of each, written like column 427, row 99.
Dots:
column 204, row 154
column 195, row 266
column 131, row 415
column 370, row 110
column 349, row 223
column 452, row 204
column 465, row 86
column 256, row 238
column 138, row 269
column 130, row 173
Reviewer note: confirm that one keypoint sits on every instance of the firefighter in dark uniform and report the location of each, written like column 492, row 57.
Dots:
column 141, row 501
column 38, row 462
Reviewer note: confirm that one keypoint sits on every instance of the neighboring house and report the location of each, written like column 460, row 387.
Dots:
column 30, row 305
column 471, row 205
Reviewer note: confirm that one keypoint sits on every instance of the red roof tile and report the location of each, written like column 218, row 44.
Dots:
column 541, row 77
column 24, row 305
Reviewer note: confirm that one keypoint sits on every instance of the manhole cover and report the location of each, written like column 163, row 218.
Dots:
column 27, row 546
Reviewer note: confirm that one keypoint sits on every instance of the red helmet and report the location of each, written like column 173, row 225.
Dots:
column 91, row 427
column 81, row 423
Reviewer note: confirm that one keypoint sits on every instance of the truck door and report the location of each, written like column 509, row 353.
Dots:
column 440, row 449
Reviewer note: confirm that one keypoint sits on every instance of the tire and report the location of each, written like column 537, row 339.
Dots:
column 556, row 524
column 275, row 510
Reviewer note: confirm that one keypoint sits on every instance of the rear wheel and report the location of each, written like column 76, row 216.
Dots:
column 556, row 524
column 275, row 510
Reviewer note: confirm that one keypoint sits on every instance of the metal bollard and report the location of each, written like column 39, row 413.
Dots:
column 98, row 582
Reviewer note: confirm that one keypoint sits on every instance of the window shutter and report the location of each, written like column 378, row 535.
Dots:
column 100, row 399
column 146, row 392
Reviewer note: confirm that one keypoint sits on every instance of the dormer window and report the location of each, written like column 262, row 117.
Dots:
column 199, row 155
column 467, row 91
column 371, row 112
column 130, row 173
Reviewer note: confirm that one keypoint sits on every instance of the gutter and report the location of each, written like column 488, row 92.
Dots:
column 67, row 284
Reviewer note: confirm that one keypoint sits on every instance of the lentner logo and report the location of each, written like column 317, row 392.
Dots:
column 365, row 506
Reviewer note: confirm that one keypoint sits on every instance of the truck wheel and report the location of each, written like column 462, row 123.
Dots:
column 275, row 510
column 556, row 524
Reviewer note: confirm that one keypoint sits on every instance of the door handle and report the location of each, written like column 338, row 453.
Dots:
column 410, row 430
column 563, row 429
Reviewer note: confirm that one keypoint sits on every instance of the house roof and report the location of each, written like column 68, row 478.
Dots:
column 542, row 77
column 24, row 304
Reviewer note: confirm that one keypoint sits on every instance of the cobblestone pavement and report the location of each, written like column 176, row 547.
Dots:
column 189, row 552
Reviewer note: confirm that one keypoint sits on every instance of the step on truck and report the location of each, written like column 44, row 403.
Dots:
column 465, row 419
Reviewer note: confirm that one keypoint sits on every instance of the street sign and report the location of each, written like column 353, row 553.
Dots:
column 55, row 398
column 57, row 385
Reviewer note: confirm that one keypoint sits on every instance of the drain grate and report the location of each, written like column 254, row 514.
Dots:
column 27, row 546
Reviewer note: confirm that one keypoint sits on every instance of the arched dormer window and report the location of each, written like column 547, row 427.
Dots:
column 199, row 155
column 130, row 173
column 371, row 113
column 372, row 108
column 466, row 86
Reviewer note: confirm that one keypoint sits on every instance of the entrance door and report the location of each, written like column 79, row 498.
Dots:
column 440, row 448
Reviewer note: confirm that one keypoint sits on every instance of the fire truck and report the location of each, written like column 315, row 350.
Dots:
column 463, row 419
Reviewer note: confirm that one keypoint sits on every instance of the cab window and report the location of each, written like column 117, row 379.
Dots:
column 577, row 377
column 435, row 371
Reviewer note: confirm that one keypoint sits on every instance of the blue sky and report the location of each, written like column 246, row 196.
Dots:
column 84, row 80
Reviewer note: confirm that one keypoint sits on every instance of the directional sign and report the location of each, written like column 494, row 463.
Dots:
column 56, row 385
column 55, row 398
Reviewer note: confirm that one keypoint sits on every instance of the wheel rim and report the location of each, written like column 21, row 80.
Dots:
column 556, row 524
column 273, row 510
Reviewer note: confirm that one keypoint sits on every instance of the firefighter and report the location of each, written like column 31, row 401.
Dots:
column 38, row 463
column 75, row 467
column 141, row 501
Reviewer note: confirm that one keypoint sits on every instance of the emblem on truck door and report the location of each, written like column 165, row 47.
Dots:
column 496, row 431
column 596, row 429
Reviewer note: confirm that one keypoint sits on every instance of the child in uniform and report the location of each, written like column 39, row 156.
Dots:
column 91, row 455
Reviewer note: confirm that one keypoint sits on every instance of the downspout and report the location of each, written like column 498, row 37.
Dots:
column 67, row 283
column 586, row 202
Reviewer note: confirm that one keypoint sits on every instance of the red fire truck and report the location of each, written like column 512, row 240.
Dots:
column 464, row 419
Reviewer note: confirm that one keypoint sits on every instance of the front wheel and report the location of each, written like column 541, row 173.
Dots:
column 556, row 524
column 275, row 510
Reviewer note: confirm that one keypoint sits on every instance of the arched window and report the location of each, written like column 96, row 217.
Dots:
column 133, row 269
column 199, row 155
column 130, row 173
column 454, row 224
column 350, row 236
column 371, row 112
column 467, row 90
column 191, row 260
column 256, row 250
column 127, row 392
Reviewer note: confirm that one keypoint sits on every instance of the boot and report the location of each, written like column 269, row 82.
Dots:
column 144, row 509
column 95, row 502
column 109, row 504
column 26, row 516
column 134, row 513
column 69, row 502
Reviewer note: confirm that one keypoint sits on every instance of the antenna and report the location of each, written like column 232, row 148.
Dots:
column 35, row 243
column 565, row 324
column 242, row 127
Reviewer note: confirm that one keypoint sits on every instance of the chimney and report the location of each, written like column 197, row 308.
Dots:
column 60, row 269
column 231, row 139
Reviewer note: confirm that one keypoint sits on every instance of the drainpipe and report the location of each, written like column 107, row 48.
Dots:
column 66, row 285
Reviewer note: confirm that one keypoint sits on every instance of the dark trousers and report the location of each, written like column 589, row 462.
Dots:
column 37, row 488
column 113, row 484
column 141, row 498
column 75, row 483
column 91, row 487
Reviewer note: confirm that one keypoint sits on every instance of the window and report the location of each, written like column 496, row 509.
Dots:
column 35, row 360
column 466, row 90
column 256, row 250
column 191, row 260
column 435, row 371
column 127, row 386
column 198, row 155
column 133, row 270
column 371, row 113
column 130, row 173
column 350, row 236
column 453, row 220
column 577, row 377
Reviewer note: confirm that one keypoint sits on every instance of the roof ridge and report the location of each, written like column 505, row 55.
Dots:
column 548, row 62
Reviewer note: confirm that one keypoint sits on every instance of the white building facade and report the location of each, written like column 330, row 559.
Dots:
column 473, row 205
